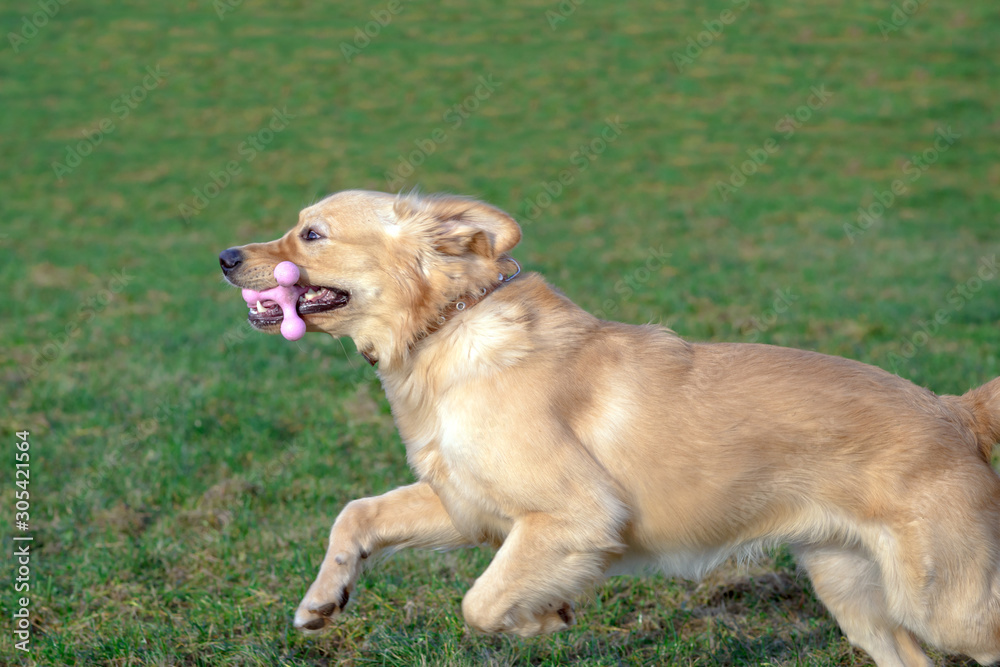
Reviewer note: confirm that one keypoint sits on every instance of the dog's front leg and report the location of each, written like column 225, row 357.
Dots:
column 545, row 562
column 410, row 516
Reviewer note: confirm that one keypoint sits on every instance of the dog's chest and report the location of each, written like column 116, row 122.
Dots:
column 452, row 446
column 449, row 438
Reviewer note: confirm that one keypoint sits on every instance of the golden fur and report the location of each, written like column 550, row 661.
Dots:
column 583, row 448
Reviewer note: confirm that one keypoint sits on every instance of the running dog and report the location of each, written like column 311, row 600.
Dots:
column 582, row 448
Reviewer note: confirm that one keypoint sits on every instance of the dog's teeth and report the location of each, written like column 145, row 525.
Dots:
column 260, row 308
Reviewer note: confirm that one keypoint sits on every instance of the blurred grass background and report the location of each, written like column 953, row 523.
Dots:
column 185, row 471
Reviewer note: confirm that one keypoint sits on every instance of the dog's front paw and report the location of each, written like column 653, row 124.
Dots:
column 317, row 610
column 331, row 591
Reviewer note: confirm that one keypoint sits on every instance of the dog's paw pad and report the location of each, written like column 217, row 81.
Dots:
column 566, row 614
column 313, row 625
column 331, row 608
column 557, row 617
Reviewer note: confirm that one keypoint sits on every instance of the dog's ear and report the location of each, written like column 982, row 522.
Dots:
column 459, row 225
column 460, row 239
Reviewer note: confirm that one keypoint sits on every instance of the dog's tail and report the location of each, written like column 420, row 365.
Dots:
column 984, row 404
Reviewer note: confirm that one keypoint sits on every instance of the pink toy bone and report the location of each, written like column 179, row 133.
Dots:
column 286, row 295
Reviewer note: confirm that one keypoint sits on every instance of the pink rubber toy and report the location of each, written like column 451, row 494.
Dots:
column 286, row 295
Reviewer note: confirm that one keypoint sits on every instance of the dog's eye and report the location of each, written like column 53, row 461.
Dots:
column 311, row 235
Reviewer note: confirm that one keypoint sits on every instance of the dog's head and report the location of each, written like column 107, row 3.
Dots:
column 380, row 267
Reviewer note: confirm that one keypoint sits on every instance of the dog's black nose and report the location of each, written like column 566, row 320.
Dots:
column 229, row 259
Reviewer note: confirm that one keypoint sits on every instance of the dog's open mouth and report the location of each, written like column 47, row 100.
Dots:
column 266, row 314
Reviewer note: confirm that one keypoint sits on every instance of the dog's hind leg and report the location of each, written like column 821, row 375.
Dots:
column 410, row 516
column 851, row 587
column 545, row 562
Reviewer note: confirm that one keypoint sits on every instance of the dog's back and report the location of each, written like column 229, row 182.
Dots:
column 883, row 488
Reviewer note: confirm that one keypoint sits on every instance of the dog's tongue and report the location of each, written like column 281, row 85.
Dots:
column 286, row 295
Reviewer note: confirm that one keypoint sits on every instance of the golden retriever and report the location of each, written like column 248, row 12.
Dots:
column 582, row 448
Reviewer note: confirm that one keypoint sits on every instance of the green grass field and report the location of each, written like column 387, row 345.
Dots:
column 700, row 165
